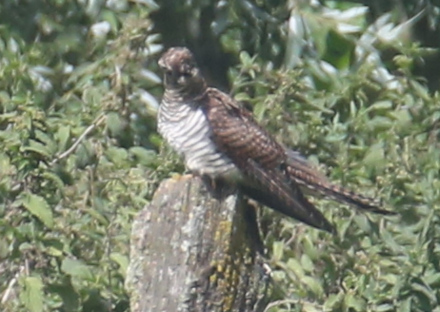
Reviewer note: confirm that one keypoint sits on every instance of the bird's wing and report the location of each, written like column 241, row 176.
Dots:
column 270, row 187
column 237, row 133
column 259, row 158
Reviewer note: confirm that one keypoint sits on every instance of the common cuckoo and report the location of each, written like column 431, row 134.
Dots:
column 218, row 137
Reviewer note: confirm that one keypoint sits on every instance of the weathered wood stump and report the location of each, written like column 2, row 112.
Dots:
column 193, row 251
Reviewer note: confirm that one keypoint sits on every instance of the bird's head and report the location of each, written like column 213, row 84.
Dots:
column 181, row 73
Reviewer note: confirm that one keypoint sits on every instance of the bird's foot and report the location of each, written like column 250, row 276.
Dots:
column 178, row 176
column 218, row 187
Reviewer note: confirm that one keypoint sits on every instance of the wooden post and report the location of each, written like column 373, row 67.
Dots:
column 193, row 251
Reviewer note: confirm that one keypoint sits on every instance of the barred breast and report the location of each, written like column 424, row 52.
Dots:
column 187, row 131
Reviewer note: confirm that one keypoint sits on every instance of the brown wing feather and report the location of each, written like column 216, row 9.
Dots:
column 260, row 159
column 236, row 132
column 271, row 188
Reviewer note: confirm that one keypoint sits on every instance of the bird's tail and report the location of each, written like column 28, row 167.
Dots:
column 306, row 176
column 342, row 194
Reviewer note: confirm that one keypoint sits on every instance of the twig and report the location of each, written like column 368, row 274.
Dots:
column 11, row 285
column 89, row 129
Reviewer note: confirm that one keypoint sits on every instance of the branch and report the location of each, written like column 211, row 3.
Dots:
column 72, row 149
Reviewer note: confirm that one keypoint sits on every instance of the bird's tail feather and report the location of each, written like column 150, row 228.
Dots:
column 305, row 176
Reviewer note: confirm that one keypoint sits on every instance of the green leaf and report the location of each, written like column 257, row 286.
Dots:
column 375, row 156
column 381, row 105
column 336, row 137
column 121, row 260
column 115, row 124
column 85, row 155
column 402, row 118
column 37, row 147
column 278, row 250
column 62, row 136
column 278, row 275
column 4, row 250
column 389, row 241
column 424, row 290
column 354, row 302
column 111, row 17
column 143, row 156
column 405, row 306
column 309, row 248
column 306, row 263
column 295, row 267
column 419, row 90
column 116, row 155
column 363, row 223
column 333, row 301
column 243, row 97
column 76, row 268
column 379, row 123
column 433, row 279
column 390, row 278
column 97, row 215
column 313, row 284
column 32, row 296
column 54, row 178
column 38, row 206
column 384, row 307
column 54, row 251
column 259, row 110
column 46, row 140
column 245, row 59
column 68, row 294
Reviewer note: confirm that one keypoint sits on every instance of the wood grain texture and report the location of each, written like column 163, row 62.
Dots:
column 191, row 251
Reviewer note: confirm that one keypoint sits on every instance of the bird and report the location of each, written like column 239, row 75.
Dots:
column 219, row 138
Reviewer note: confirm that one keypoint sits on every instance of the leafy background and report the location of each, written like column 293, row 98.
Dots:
column 354, row 86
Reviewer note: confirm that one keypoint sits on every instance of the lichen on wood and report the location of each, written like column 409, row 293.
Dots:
column 194, row 249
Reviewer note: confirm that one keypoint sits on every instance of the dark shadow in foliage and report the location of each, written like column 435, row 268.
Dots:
column 202, row 25
column 22, row 17
column 183, row 25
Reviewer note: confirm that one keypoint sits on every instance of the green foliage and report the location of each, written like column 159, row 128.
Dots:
column 382, row 144
column 380, row 139
column 79, row 154
column 80, row 150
